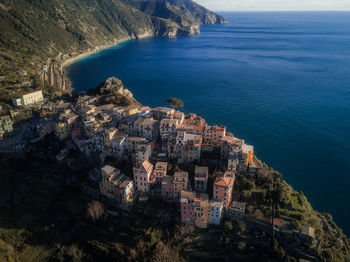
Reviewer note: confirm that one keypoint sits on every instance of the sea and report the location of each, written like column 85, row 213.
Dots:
column 278, row 80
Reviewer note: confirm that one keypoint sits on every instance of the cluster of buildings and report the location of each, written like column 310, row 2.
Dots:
column 150, row 139
column 23, row 111
column 29, row 99
column 141, row 134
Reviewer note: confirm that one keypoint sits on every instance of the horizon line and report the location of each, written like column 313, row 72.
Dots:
column 282, row 10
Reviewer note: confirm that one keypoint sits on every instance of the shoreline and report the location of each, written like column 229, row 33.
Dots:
column 96, row 50
column 66, row 83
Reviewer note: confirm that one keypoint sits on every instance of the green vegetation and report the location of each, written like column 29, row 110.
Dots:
column 174, row 102
column 37, row 206
column 181, row 11
column 262, row 191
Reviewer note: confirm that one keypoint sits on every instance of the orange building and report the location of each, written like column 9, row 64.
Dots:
column 223, row 186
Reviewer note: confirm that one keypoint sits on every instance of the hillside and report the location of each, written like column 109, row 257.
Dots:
column 183, row 12
column 34, row 31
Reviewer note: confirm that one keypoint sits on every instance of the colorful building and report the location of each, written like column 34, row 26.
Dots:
column 6, row 124
column 186, row 204
column 124, row 192
column 201, row 179
column 180, row 183
column 167, row 187
column 110, row 177
column 142, row 174
column 216, row 211
column 214, row 134
column 201, row 210
column 21, row 115
column 222, row 188
column 146, row 127
column 160, row 170
column 188, row 147
column 248, row 153
column 231, row 146
column 162, row 112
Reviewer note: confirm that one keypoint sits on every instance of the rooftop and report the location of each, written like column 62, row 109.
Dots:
column 201, row 171
column 238, row 205
column 108, row 169
column 161, row 166
column 224, row 181
column 144, row 165
column 181, row 174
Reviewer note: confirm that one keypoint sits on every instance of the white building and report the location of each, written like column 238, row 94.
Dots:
column 32, row 98
column 29, row 99
column 17, row 101
column 232, row 162
column 216, row 210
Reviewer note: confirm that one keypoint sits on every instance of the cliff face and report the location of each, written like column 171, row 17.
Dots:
column 33, row 31
column 183, row 12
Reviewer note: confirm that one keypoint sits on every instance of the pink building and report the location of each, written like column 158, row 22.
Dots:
column 222, row 189
column 214, row 134
column 142, row 174
column 187, row 205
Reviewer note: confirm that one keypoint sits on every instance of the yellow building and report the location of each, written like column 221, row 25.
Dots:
column 131, row 111
column 61, row 130
column 180, row 183
column 20, row 115
column 201, row 210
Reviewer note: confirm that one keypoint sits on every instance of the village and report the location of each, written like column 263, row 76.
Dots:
column 175, row 157
column 138, row 133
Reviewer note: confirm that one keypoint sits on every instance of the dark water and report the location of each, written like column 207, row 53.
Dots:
column 281, row 81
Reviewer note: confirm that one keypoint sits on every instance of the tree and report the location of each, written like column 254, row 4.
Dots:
column 96, row 211
column 228, row 226
column 164, row 252
column 175, row 102
column 242, row 228
column 247, row 184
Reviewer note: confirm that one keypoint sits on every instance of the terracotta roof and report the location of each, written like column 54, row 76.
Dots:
column 144, row 165
column 223, row 181
column 198, row 127
column 278, row 222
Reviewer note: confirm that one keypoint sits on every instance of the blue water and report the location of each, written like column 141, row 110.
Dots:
column 281, row 81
